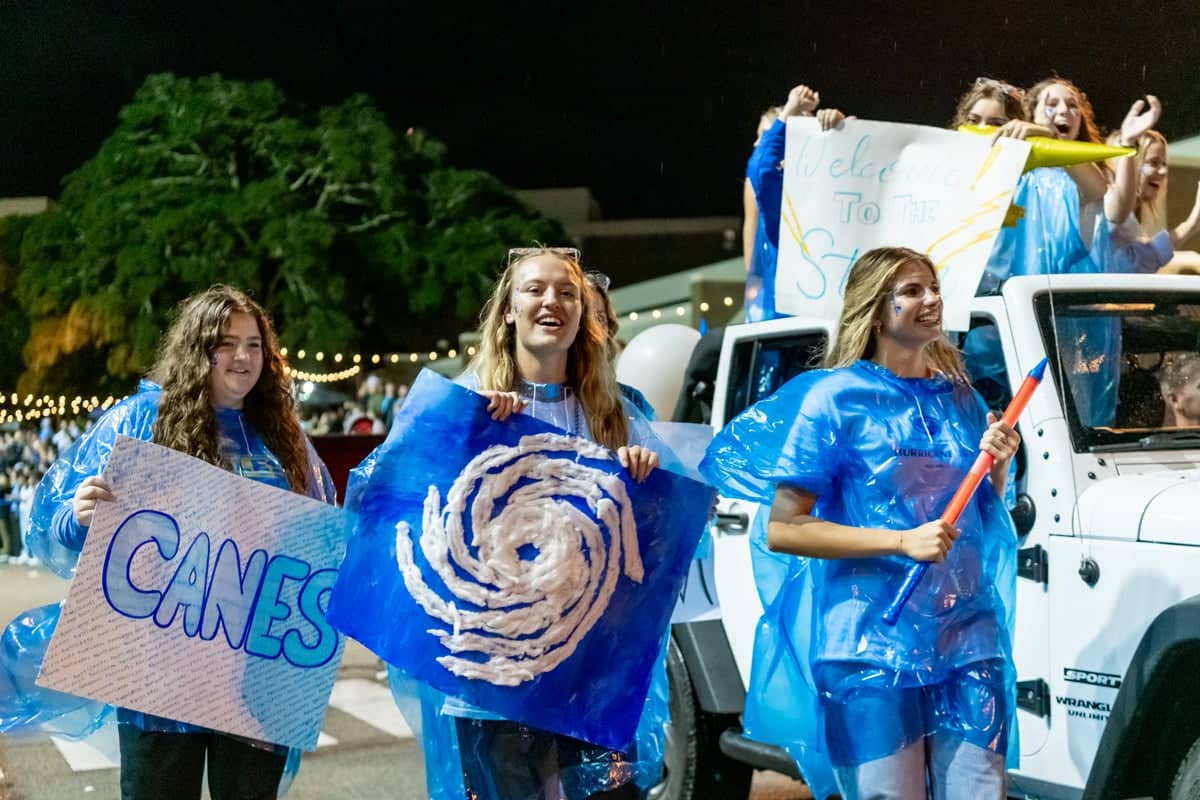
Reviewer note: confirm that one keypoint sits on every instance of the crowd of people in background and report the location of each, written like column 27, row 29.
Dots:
column 370, row 412
column 25, row 455
column 27, row 450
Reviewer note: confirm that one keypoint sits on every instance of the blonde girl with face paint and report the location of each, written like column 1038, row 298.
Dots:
column 1144, row 243
column 857, row 461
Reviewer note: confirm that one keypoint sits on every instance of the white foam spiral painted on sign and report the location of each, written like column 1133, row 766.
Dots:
column 536, row 610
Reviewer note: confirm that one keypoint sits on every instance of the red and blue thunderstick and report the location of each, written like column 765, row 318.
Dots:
column 966, row 490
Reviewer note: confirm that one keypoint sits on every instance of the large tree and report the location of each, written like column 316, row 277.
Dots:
column 14, row 322
column 351, row 235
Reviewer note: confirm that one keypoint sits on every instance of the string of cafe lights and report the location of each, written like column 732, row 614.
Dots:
column 678, row 311
column 14, row 408
column 358, row 362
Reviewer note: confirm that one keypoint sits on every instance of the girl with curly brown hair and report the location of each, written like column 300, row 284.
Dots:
column 219, row 391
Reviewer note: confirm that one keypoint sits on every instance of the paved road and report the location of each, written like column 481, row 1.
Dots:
column 366, row 751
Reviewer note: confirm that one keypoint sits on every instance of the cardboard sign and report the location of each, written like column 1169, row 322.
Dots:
column 200, row 596
column 882, row 184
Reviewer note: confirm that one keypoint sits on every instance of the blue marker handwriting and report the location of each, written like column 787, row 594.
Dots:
column 827, row 154
column 821, row 255
column 908, row 209
column 247, row 599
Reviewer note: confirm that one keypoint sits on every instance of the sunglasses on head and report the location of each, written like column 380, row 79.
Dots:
column 598, row 279
column 517, row 253
column 1007, row 88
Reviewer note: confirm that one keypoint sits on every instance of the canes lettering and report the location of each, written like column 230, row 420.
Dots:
column 245, row 602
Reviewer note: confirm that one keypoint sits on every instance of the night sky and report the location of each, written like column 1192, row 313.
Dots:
column 653, row 105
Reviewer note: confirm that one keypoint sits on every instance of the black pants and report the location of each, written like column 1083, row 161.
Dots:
column 504, row 760
column 156, row 765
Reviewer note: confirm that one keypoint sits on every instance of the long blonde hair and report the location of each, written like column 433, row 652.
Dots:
column 871, row 280
column 1151, row 214
column 589, row 370
column 186, row 420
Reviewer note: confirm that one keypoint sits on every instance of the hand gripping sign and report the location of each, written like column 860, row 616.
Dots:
column 200, row 597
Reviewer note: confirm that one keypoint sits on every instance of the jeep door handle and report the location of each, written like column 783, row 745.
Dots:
column 733, row 524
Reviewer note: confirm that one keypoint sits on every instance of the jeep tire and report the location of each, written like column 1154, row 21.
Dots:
column 1186, row 784
column 694, row 768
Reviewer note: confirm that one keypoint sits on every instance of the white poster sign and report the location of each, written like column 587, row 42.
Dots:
column 200, row 596
column 882, row 184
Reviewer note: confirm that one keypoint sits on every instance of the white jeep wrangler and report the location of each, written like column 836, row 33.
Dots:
column 1107, row 638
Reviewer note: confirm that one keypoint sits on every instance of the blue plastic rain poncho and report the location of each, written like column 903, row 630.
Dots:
column 56, row 538
column 765, row 174
column 470, row 752
column 1133, row 252
column 831, row 682
column 1052, row 238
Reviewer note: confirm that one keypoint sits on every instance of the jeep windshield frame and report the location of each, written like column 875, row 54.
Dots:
column 1107, row 349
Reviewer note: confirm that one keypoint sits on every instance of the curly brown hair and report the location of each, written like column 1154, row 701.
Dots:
column 187, row 421
column 589, row 366
column 1008, row 96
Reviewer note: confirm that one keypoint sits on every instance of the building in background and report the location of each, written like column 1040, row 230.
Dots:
column 663, row 270
column 23, row 205
column 631, row 250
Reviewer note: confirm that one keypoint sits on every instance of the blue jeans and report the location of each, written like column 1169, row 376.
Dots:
column 941, row 767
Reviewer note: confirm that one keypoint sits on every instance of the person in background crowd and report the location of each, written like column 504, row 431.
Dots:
column 387, row 408
column 370, row 395
column 62, row 439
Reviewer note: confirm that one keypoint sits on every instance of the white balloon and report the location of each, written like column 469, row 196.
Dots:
column 654, row 362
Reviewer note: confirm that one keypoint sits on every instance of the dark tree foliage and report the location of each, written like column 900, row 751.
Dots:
column 353, row 236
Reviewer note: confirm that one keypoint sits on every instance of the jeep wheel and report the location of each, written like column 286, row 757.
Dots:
column 1186, row 785
column 694, row 768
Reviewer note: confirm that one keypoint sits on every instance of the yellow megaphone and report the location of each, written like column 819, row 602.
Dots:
column 1047, row 152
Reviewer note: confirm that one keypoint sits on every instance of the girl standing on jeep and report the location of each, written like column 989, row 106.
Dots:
column 858, row 461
